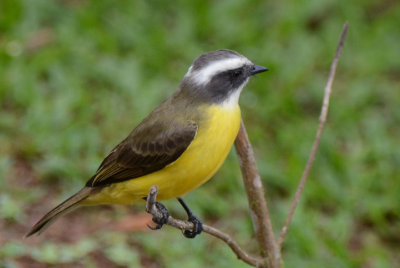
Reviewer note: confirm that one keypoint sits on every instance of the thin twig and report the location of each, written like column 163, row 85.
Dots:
column 185, row 225
column 256, row 198
column 322, row 120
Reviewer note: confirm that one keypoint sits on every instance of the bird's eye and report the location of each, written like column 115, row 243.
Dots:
column 236, row 73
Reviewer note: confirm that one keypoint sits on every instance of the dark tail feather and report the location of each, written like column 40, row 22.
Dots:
column 63, row 208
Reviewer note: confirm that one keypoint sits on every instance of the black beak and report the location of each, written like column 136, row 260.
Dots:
column 258, row 69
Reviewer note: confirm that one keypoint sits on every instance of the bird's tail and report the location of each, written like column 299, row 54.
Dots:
column 63, row 208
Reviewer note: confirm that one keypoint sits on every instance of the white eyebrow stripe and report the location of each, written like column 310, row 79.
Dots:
column 204, row 75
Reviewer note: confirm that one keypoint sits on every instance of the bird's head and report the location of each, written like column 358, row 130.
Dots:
column 219, row 76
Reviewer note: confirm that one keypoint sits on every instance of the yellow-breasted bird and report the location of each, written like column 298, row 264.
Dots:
column 178, row 146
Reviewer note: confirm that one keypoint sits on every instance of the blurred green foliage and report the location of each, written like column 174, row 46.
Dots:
column 76, row 76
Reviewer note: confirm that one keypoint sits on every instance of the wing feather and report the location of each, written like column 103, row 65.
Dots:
column 140, row 154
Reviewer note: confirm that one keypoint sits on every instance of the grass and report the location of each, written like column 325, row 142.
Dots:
column 77, row 76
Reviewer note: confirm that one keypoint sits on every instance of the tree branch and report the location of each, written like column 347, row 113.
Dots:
column 256, row 198
column 322, row 120
column 185, row 225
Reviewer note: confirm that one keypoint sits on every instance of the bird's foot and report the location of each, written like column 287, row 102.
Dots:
column 197, row 224
column 162, row 219
column 197, row 227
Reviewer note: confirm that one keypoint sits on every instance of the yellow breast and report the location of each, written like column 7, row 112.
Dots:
column 196, row 165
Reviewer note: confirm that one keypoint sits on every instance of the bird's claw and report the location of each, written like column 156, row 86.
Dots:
column 197, row 227
column 160, row 221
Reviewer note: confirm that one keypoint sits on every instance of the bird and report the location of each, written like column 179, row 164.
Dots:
column 179, row 146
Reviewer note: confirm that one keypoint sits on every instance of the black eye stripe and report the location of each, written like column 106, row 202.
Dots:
column 237, row 72
column 233, row 73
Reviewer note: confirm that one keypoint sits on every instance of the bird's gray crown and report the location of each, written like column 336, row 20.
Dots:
column 213, row 56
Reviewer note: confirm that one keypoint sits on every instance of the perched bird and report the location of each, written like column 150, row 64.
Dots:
column 178, row 146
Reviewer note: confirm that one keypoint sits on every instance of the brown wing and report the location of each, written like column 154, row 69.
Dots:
column 143, row 152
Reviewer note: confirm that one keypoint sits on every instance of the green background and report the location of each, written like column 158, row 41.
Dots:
column 76, row 76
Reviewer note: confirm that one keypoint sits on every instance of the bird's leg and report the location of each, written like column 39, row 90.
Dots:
column 161, row 219
column 197, row 224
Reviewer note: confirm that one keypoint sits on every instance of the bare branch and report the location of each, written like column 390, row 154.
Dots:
column 185, row 225
column 256, row 198
column 322, row 120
